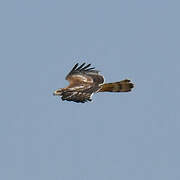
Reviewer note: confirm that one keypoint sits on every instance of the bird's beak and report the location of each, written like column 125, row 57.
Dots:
column 57, row 92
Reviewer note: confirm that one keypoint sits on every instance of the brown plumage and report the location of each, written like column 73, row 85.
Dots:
column 85, row 81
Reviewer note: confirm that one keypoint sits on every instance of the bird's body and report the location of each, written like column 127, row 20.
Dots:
column 85, row 81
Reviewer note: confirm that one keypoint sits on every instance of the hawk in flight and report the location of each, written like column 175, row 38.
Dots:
column 84, row 81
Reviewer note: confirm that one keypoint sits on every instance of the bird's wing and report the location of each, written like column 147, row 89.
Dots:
column 84, row 74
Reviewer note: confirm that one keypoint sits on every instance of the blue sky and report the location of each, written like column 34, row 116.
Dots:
column 117, row 136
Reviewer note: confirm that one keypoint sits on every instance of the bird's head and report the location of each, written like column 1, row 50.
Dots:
column 58, row 92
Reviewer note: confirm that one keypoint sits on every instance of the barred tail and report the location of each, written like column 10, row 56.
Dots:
column 121, row 86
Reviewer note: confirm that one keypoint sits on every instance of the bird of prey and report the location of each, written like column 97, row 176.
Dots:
column 84, row 81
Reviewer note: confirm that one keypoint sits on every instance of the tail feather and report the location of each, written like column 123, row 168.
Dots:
column 121, row 86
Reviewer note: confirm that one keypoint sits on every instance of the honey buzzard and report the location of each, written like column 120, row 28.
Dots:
column 85, row 81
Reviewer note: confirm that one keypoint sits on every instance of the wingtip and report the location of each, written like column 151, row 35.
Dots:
column 76, row 65
column 81, row 66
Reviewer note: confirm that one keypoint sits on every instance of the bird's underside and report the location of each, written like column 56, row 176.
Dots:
column 85, row 81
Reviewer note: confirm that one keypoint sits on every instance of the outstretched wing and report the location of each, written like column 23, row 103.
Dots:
column 84, row 81
column 84, row 74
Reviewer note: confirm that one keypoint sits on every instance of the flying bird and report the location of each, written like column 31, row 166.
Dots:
column 84, row 81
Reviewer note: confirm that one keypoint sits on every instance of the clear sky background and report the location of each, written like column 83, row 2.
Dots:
column 117, row 136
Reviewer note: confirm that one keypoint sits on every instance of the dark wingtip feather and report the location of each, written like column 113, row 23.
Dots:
column 79, row 68
column 90, row 68
column 82, row 68
column 75, row 66
column 85, row 68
